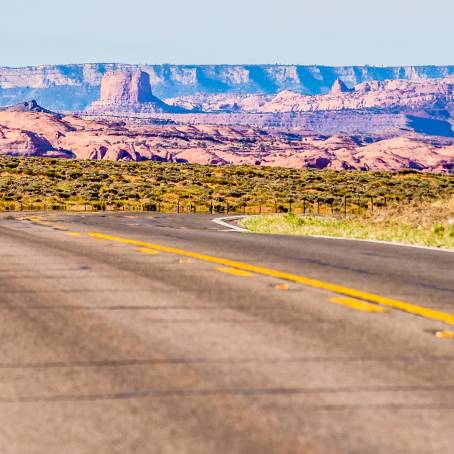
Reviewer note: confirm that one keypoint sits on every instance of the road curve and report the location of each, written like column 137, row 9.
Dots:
column 150, row 333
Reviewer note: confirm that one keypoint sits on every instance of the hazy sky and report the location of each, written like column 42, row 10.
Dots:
column 331, row 32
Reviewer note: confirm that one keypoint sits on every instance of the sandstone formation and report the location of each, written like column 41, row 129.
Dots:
column 339, row 87
column 74, row 87
column 35, row 133
column 123, row 87
column 226, row 103
column 347, row 122
column 130, row 92
column 391, row 94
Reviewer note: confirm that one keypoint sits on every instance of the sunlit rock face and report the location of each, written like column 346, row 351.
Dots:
column 128, row 91
column 123, row 87
column 390, row 94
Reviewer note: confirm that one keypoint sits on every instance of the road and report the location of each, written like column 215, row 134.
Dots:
column 151, row 333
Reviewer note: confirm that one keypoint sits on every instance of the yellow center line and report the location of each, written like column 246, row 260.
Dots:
column 148, row 251
column 299, row 279
column 75, row 234
column 357, row 305
column 38, row 221
column 445, row 334
column 234, row 271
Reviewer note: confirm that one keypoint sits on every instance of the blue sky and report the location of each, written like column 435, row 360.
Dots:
column 330, row 32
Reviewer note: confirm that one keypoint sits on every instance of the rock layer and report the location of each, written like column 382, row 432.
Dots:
column 391, row 94
column 74, row 87
column 42, row 134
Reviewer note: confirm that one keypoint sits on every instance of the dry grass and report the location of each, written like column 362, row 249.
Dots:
column 429, row 224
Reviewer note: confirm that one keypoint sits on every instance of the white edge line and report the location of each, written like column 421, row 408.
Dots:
column 390, row 243
column 231, row 228
column 363, row 240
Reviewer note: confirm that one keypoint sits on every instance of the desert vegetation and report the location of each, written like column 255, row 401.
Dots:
column 40, row 183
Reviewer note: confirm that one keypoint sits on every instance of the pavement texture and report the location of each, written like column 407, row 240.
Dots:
column 149, row 333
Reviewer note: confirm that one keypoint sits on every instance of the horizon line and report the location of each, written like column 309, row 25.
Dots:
column 323, row 65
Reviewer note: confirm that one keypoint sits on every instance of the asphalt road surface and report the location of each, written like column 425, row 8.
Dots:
column 123, row 333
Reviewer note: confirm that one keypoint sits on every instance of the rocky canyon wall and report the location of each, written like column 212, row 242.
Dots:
column 74, row 87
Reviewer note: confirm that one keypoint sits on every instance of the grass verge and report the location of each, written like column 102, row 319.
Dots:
column 427, row 224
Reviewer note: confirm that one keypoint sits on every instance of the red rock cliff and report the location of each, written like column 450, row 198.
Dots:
column 123, row 87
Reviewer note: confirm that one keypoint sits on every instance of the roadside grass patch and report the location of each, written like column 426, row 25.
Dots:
column 428, row 224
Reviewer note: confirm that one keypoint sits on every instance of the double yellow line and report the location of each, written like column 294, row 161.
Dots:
column 37, row 221
column 299, row 279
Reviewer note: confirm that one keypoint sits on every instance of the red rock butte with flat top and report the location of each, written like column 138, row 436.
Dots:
column 129, row 91
column 123, row 87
